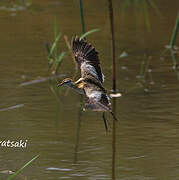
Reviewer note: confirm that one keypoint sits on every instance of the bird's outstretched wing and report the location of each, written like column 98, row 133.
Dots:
column 87, row 58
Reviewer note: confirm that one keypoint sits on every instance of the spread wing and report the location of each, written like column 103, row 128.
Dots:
column 87, row 58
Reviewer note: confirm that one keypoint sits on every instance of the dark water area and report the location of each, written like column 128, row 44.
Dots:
column 73, row 144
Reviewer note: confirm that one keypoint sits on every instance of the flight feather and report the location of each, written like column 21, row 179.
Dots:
column 87, row 58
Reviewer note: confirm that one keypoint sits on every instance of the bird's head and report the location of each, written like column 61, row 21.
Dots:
column 66, row 82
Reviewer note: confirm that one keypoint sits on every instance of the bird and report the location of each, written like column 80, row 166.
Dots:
column 91, row 81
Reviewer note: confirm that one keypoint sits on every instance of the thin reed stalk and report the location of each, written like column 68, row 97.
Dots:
column 18, row 171
column 82, row 16
column 70, row 50
column 113, row 43
column 175, row 32
column 110, row 7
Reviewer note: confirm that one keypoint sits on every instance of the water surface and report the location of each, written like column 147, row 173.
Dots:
column 73, row 144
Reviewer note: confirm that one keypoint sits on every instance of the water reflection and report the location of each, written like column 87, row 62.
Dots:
column 114, row 142
column 78, row 130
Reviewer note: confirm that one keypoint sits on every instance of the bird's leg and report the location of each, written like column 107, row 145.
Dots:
column 113, row 116
column 105, row 122
column 79, row 83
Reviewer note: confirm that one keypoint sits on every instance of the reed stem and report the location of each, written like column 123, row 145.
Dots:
column 175, row 32
column 82, row 16
column 110, row 7
column 18, row 171
column 113, row 43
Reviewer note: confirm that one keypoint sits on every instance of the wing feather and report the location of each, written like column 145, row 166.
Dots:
column 85, row 54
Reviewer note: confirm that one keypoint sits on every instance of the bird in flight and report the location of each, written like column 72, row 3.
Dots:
column 91, row 80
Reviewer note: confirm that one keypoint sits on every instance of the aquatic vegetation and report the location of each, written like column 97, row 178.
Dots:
column 175, row 32
column 84, row 35
column 172, row 49
column 18, row 171
column 54, row 56
column 82, row 16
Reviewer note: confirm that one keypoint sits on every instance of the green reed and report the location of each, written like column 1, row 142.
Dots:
column 82, row 16
column 54, row 57
column 88, row 33
column 18, row 171
column 84, row 33
column 175, row 32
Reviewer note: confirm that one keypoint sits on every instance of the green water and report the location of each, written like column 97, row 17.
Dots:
column 74, row 144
